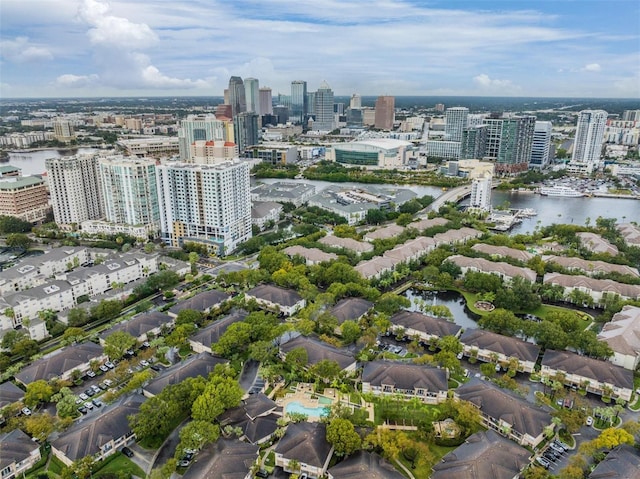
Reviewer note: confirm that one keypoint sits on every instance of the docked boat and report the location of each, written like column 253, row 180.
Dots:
column 557, row 190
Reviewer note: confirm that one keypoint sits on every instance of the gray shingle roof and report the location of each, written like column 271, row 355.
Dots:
column 346, row 243
column 199, row 365
column 305, row 442
column 211, row 334
column 275, row 294
column 86, row 437
column 602, row 371
column 57, row 364
column 621, row 463
column 622, row 333
column 350, row 309
column 503, row 251
column 225, row 459
column 15, row 447
column 201, row 301
column 140, row 324
column 590, row 266
column 524, row 418
column 405, row 376
column 10, row 393
column 600, row 285
column 364, row 464
column 484, row 455
column 427, row 324
column 318, row 351
column 510, row 347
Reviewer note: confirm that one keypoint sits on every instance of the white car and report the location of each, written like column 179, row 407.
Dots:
column 26, row 411
column 589, row 421
column 88, row 405
column 144, row 363
column 83, row 396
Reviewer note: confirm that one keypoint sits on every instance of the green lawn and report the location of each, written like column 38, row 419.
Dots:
column 424, row 471
column 404, row 411
column 119, row 463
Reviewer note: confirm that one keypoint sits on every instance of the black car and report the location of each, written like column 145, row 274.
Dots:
column 127, row 452
column 82, row 409
column 262, row 473
column 90, row 392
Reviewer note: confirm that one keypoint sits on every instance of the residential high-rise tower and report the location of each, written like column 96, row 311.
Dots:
column 198, row 127
column 74, row 188
column 246, row 131
column 456, row 120
column 541, row 145
column 481, row 193
column 509, row 142
column 587, row 146
column 207, row 204
column 129, row 190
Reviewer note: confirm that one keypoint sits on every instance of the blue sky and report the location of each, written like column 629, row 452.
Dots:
column 581, row 48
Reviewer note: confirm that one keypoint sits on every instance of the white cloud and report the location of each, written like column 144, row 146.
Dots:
column 485, row 82
column 592, row 67
column 76, row 81
column 20, row 50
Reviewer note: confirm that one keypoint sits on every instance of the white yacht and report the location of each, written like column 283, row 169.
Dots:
column 559, row 190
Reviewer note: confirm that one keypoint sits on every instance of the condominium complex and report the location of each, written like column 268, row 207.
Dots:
column 208, row 204
column 385, row 112
column 540, row 148
column 456, row 119
column 509, row 142
column 481, row 193
column 129, row 191
column 198, row 127
column 587, row 146
column 75, row 188
column 24, row 197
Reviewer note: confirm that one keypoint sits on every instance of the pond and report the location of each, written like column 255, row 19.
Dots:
column 451, row 299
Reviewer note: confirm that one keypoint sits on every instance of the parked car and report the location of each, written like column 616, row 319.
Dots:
column 589, row 421
column 108, row 382
column 82, row 410
column 26, row 411
column 95, row 389
column 144, row 363
column 555, row 447
column 262, row 473
column 91, row 374
column 110, row 365
column 88, row 405
column 97, row 402
column 543, row 462
column 83, row 396
column 127, row 452
column 90, row 392
column 561, row 444
column 103, row 368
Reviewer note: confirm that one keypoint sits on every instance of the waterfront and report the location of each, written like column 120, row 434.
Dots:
column 566, row 210
column 550, row 209
column 32, row 162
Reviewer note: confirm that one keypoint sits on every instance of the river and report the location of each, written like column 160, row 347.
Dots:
column 566, row 210
column 550, row 209
column 32, row 162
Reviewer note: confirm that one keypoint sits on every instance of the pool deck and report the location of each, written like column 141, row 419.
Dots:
column 304, row 395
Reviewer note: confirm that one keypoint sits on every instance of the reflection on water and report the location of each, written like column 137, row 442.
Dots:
column 452, row 300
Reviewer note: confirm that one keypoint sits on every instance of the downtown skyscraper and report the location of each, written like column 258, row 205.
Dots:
column 252, row 95
column 324, row 116
column 266, row 101
column 299, row 107
column 237, row 96
column 385, row 112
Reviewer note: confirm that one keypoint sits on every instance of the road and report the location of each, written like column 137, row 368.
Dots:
column 454, row 194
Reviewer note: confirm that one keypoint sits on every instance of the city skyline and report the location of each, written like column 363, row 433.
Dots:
column 82, row 48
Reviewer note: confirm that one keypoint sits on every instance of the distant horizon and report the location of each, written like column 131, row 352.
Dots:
column 480, row 48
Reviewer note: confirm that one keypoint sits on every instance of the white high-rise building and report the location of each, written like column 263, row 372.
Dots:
column 541, row 145
column 129, row 191
column 252, row 95
column 207, row 204
column 356, row 102
column 587, row 146
column 198, row 127
column 481, row 193
column 74, row 188
column 456, row 119
column 324, row 118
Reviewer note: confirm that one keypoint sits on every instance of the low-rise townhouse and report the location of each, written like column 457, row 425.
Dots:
column 275, row 298
column 492, row 347
column 598, row 289
column 502, row 252
column 428, row 384
column 590, row 267
column 425, row 327
column 304, row 444
column 505, row 271
column 622, row 334
column 596, row 243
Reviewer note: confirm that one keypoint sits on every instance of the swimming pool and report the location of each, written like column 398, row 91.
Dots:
column 296, row 407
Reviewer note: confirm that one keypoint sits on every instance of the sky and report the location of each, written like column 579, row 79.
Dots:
column 543, row 48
